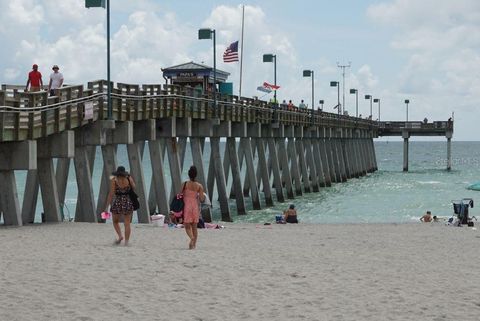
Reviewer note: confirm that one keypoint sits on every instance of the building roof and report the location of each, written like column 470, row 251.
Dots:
column 198, row 69
column 188, row 66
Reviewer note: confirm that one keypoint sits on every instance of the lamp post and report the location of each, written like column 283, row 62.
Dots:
column 272, row 58
column 369, row 97
column 321, row 102
column 208, row 33
column 309, row 73
column 97, row 4
column 337, row 84
column 377, row 100
column 407, row 101
column 355, row 91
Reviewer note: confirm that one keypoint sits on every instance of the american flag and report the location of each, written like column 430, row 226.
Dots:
column 231, row 54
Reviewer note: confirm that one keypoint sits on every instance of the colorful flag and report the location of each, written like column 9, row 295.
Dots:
column 272, row 87
column 263, row 89
column 231, row 54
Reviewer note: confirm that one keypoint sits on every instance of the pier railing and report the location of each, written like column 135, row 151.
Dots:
column 31, row 115
column 414, row 128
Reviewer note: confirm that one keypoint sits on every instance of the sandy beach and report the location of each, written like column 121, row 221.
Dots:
column 72, row 271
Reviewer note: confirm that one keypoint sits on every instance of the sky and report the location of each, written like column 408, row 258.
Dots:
column 426, row 51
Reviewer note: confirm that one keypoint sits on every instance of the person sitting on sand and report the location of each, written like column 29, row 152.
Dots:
column 176, row 218
column 290, row 215
column 427, row 218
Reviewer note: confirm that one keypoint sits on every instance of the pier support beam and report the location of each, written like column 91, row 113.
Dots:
column 197, row 157
column 220, row 178
column 332, row 161
column 273, row 160
column 312, row 174
column 303, row 164
column 231, row 154
column 405, row 136
column 121, row 134
column 15, row 155
column 86, row 139
column 294, row 168
column 10, row 205
column 142, row 131
column 324, row 158
column 263, row 168
column 449, row 150
column 283, row 159
column 54, row 146
column 252, row 179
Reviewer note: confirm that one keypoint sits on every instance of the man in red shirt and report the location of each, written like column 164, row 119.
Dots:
column 34, row 79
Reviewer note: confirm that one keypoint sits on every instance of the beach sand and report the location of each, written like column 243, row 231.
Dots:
column 72, row 271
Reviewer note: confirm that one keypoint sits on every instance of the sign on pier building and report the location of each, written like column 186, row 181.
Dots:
column 196, row 75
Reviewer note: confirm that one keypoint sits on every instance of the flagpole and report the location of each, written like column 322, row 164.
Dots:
column 241, row 53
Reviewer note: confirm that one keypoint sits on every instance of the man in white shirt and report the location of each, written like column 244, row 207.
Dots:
column 302, row 105
column 56, row 81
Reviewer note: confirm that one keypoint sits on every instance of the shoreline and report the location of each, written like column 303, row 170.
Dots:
column 379, row 271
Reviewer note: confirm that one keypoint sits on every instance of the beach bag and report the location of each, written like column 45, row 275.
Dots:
column 133, row 197
column 177, row 203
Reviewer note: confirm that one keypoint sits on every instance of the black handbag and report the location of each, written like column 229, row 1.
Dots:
column 133, row 197
column 177, row 203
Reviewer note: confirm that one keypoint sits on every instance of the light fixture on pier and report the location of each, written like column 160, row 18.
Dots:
column 377, row 100
column 309, row 73
column 407, row 101
column 369, row 97
column 272, row 58
column 98, row 4
column 207, row 33
column 355, row 91
column 337, row 84
column 321, row 102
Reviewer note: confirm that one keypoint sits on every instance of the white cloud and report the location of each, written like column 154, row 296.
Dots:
column 67, row 34
column 25, row 12
column 442, row 41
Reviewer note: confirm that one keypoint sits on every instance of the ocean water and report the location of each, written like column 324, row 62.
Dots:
column 391, row 195
column 386, row 196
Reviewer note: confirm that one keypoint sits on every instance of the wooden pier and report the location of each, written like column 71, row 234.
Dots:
column 272, row 154
column 417, row 128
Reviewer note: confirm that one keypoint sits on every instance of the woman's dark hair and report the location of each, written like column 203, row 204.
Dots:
column 192, row 173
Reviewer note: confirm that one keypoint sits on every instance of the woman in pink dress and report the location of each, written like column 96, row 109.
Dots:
column 192, row 194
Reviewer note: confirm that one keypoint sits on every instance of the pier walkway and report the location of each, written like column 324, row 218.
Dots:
column 417, row 128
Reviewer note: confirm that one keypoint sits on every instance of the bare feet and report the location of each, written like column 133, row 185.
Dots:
column 126, row 242
column 191, row 246
column 118, row 241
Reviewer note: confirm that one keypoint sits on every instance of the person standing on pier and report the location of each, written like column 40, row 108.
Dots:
column 34, row 79
column 192, row 194
column 122, row 206
column 56, row 81
column 302, row 105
